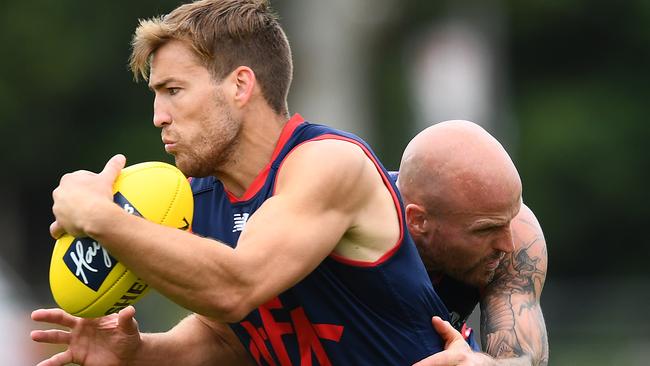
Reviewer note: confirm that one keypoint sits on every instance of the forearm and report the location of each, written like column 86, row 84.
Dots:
column 195, row 272
column 512, row 327
column 191, row 343
column 516, row 339
column 285, row 240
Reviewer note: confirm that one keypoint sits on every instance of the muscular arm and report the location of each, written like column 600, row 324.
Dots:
column 512, row 324
column 327, row 193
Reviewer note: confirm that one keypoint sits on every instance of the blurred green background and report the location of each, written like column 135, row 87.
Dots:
column 564, row 85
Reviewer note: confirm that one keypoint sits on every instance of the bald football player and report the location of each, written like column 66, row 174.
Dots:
column 479, row 243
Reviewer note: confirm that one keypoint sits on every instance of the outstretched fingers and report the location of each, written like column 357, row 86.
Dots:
column 54, row 336
column 54, row 316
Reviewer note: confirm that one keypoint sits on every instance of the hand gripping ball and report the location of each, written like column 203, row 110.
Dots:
column 85, row 279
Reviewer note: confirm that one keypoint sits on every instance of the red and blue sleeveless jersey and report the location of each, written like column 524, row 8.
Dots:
column 459, row 298
column 343, row 313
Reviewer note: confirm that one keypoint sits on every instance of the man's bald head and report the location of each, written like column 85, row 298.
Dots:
column 461, row 192
column 452, row 164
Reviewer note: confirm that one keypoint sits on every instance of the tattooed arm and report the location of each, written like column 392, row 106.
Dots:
column 513, row 332
column 512, row 324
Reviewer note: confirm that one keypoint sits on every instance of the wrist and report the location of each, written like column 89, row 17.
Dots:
column 101, row 219
column 145, row 352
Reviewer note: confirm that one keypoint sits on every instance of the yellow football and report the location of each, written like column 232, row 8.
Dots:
column 85, row 279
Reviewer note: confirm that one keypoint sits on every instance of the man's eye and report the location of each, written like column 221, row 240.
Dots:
column 173, row 91
column 485, row 230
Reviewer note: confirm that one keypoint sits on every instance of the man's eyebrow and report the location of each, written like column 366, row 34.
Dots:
column 487, row 223
column 162, row 83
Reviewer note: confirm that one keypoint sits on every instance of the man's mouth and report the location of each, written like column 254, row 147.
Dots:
column 492, row 265
column 494, row 262
column 169, row 145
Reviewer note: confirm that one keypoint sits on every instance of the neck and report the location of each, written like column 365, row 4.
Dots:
column 256, row 142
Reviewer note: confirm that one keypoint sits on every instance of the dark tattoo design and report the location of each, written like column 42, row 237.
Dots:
column 512, row 324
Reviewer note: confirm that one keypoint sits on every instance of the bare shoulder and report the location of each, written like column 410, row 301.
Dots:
column 328, row 152
column 527, row 231
column 328, row 166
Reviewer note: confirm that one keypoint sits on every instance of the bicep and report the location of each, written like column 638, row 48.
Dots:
column 512, row 323
column 313, row 207
column 283, row 243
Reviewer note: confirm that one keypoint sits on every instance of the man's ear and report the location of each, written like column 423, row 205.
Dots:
column 244, row 82
column 417, row 219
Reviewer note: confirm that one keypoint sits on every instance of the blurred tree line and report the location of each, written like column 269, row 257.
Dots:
column 579, row 80
column 67, row 102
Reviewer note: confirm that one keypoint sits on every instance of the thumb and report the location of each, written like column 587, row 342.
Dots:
column 448, row 333
column 126, row 320
column 438, row 359
column 113, row 167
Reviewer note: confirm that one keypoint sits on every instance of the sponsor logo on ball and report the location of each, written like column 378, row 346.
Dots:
column 88, row 260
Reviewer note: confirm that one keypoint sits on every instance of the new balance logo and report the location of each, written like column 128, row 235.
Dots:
column 239, row 221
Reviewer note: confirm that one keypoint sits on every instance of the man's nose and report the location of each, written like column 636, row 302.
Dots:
column 505, row 242
column 161, row 116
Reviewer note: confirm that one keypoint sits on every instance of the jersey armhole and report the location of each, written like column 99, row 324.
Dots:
column 387, row 183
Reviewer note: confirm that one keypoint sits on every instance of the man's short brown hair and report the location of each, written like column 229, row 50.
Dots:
column 224, row 34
